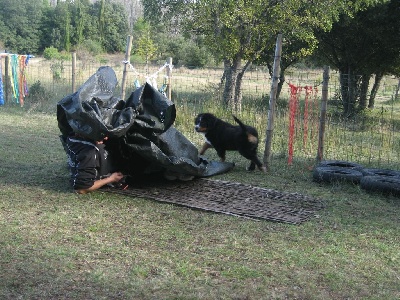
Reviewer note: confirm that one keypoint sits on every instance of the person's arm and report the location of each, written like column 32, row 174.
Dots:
column 114, row 177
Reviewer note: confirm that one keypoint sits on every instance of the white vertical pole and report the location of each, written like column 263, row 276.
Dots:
column 127, row 59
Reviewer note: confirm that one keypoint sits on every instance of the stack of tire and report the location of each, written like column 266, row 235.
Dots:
column 383, row 181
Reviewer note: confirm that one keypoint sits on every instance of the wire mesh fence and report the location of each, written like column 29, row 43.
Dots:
column 371, row 138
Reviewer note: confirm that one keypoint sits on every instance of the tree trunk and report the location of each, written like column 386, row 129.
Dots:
column 282, row 78
column 280, row 83
column 227, row 95
column 237, row 101
column 223, row 77
column 364, row 91
column 374, row 90
column 344, row 91
column 238, row 89
column 231, row 69
column 348, row 91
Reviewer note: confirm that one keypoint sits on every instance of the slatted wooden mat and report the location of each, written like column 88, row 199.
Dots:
column 230, row 198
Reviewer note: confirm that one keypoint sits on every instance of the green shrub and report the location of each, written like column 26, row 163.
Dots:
column 37, row 93
column 57, row 69
column 195, row 57
column 64, row 56
column 40, row 98
column 93, row 47
column 51, row 53
column 139, row 60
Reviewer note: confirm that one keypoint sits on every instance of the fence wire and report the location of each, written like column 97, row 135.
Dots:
column 371, row 138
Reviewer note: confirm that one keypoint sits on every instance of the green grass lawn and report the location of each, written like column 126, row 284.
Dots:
column 55, row 244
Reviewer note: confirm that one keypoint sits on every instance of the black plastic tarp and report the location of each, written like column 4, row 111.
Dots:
column 140, row 129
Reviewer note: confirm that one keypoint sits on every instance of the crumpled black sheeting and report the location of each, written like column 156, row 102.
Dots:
column 140, row 129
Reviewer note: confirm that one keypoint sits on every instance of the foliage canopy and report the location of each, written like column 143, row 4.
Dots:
column 30, row 26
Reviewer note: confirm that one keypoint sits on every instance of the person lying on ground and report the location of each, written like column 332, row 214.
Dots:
column 90, row 164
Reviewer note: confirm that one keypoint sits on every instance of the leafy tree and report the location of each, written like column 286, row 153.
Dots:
column 360, row 47
column 184, row 51
column 51, row 36
column 33, row 25
column 79, row 18
column 20, row 25
column 102, row 19
column 169, row 45
column 144, row 45
column 112, row 25
column 4, row 33
column 240, row 32
column 133, row 9
column 56, row 27
column 67, row 28
column 294, row 50
column 195, row 56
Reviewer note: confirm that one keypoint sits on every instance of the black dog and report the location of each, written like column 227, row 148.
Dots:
column 224, row 136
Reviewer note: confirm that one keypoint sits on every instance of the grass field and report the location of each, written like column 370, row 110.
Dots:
column 55, row 244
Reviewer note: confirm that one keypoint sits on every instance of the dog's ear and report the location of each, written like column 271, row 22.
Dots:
column 197, row 117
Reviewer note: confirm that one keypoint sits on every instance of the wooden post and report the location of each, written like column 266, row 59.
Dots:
column 126, row 66
column 396, row 95
column 73, row 72
column 272, row 101
column 322, row 118
column 6, row 78
column 169, row 75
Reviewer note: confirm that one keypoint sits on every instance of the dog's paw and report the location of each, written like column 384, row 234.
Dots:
column 263, row 169
column 251, row 167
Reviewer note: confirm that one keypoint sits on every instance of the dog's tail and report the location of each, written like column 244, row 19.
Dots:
column 251, row 133
column 244, row 128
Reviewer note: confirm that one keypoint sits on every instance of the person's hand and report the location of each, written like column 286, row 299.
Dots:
column 116, row 176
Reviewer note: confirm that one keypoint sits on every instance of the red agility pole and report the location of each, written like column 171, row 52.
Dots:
column 293, row 103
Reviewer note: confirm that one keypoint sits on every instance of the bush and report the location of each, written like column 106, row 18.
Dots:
column 57, row 69
column 40, row 99
column 93, row 47
column 51, row 53
column 87, row 50
column 64, row 56
column 138, row 59
column 195, row 57
column 37, row 93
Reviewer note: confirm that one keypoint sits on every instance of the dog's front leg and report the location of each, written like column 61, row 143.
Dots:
column 221, row 154
column 204, row 148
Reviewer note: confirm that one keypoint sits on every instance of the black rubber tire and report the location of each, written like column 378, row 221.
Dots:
column 340, row 163
column 382, row 184
column 381, row 172
column 338, row 174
